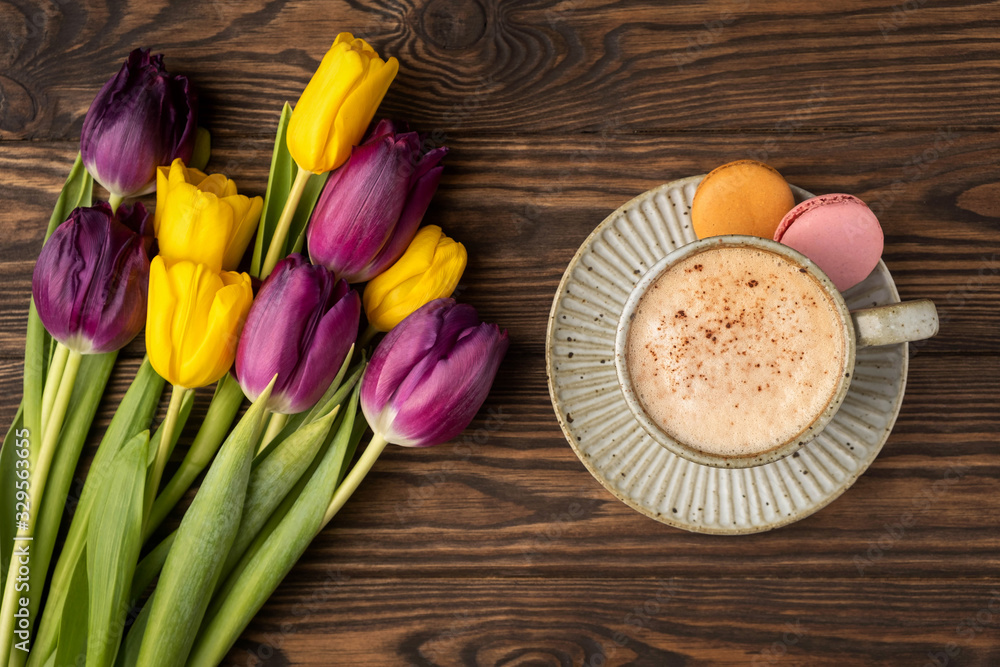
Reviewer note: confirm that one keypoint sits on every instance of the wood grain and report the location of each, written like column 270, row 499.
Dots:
column 523, row 206
column 500, row 548
column 544, row 65
column 510, row 498
column 325, row 613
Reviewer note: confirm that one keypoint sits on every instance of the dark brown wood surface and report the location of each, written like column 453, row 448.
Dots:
column 500, row 549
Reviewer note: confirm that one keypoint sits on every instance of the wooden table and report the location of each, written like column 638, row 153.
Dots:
column 501, row 549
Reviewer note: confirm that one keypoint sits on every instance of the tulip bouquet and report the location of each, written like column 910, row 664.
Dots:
column 342, row 206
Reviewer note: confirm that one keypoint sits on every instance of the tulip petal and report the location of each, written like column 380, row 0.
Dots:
column 123, row 312
column 162, row 189
column 325, row 353
column 287, row 302
column 430, row 269
column 141, row 119
column 208, row 359
column 299, row 329
column 196, row 226
column 409, row 221
column 246, row 213
column 167, row 178
column 405, row 346
column 442, row 395
column 359, row 108
column 195, row 319
column 313, row 117
column 162, row 303
column 89, row 284
column 384, row 127
column 217, row 184
column 356, row 214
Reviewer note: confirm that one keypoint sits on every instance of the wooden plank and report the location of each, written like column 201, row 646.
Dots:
column 510, row 497
column 523, row 207
column 326, row 614
column 554, row 65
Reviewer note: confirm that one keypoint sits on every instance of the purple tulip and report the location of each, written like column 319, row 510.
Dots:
column 300, row 327
column 430, row 375
column 143, row 118
column 91, row 278
column 371, row 207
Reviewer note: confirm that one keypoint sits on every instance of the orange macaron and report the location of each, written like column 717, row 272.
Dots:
column 742, row 197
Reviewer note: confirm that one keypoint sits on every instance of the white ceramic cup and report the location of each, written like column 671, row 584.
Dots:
column 885, row 325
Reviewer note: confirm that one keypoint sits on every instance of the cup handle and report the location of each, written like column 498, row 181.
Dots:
column 896, row 323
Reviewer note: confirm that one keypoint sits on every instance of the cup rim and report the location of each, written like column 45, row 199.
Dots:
column 686, row 451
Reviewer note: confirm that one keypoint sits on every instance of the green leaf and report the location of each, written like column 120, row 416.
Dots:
column 261, row 570
column 281, row 474
column 113, row 543
column 199, row 551
column 297, row 230
column 77, row 191
column 202, row 149
column 73, row 628
column 272, row 480
column 134, row 414
column 279, row 184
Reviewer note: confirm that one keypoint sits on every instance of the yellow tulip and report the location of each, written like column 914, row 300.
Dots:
column 429, row 269
column 336, row 107
column 201, row 218
column 194, row 320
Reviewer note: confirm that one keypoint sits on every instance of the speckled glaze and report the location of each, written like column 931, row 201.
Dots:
column 621, row 455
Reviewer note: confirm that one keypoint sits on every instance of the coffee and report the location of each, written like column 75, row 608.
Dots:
column 735, row 351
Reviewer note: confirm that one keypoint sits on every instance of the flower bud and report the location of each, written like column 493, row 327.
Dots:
column 429, row 269
column 301, row 326
column 142, row 118
column 430, row 374
column 89, row 284
column 202, row 218
column 337, row 105
column 195, row 319
column 371, row 207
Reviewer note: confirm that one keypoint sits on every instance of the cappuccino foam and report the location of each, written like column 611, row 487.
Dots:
column 735, row 351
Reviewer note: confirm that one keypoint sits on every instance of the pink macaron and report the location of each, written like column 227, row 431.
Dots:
column 838, row 232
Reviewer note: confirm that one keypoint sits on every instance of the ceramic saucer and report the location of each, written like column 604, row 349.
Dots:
column 617, row 451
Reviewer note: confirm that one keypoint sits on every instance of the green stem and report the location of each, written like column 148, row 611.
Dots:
column 36, row 345
column 274, row 426
column 366, row 336
column 276, row 249
column 50, row 436
column 353, row 479
column 51, row 428
column 115, row 201
column 177, row 395
column 221, row 412
column 52, row 382
column 37, row 480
